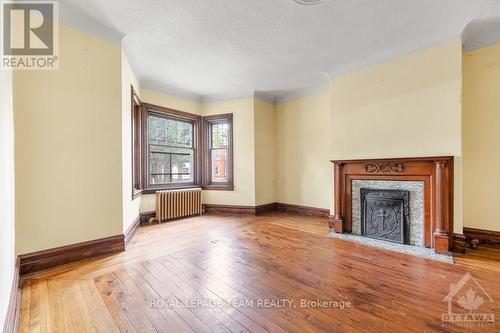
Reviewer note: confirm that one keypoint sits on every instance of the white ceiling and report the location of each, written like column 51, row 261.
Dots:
column 218, row 49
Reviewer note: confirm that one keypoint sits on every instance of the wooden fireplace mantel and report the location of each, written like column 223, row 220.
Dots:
column 435, row 172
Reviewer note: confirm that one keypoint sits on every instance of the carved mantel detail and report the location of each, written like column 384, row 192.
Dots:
column 435, row 172
column 384, row 167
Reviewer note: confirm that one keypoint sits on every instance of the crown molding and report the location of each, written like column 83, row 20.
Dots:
column 75, row 17
column 225, row 97
column 265, row 97
column 170, row 91
column 481, row 33
column 313, row 90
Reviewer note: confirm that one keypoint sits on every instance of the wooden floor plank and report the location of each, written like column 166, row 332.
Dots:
column 24, row 317
column 229, row 264
column 35, row 307
column 173, row 320
column 113, row 304
column 97, row 309
column 228, row 293
column 205, row 293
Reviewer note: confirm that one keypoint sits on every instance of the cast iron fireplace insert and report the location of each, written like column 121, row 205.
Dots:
column 385, row 215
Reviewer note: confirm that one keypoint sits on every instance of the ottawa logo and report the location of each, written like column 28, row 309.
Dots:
column 467, row 296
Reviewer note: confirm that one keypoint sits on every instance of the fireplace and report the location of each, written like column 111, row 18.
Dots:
column 434, row 173
column 385, row 215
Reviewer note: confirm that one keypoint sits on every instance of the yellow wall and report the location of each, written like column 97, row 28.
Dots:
column 7, row 227
column 303, row 169
column 130, row 207
column 169, row 101
column 243, row 144
column 68, row 146
column 410, row 106
column 265, row 181
column 481, row 138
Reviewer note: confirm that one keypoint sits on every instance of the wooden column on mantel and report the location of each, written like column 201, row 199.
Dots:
column 435, row 172
column 338, row 224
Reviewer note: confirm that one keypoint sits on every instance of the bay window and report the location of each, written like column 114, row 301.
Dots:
column 174, row 149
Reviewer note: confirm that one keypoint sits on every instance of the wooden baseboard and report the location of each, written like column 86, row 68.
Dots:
column 131, row 230
column 146, row 216
column 303, row 210
column 39, row 261
column 482, row 237
column 12, row 317
column 459, row 244
column 266, row 208
column 228, row 209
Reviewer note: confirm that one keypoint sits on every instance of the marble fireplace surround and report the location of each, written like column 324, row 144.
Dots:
column 436, row 174
column 416, row 205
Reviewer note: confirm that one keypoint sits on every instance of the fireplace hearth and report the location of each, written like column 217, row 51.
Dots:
column 385, row 215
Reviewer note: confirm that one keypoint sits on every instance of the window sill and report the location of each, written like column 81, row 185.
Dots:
column 154, row 190
column 136, row 194
column 205, row 188
column 218, row 188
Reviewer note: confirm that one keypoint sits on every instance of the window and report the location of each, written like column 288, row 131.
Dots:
column 166, row 149
column 171, row 155
column 218, row 152
column 136, row 117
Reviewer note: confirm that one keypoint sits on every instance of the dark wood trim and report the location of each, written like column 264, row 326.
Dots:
column 136, row 140
column 459, row 243
column 228, row 209
column 171, row 112
column 136, row 194
column 131, row 230
column 214, row 187
column 207, row 168
column 11, row 323
column 197, row 144
column 302, row 210
column 265, row 208
column 41, row 260
column 475, row 237
column 337, row 223
column 400, row 159
column 435, row 172
column 147, row 216
column 331, row 221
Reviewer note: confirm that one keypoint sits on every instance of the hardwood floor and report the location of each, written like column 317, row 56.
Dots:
column 237, row 264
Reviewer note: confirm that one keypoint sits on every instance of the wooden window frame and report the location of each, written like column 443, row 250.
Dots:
column 150, row 109
column 208, row 184
column 136, row 132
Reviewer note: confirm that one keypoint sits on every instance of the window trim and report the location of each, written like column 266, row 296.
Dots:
column 150, row 109
column 136, row 143
column 208, row 184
